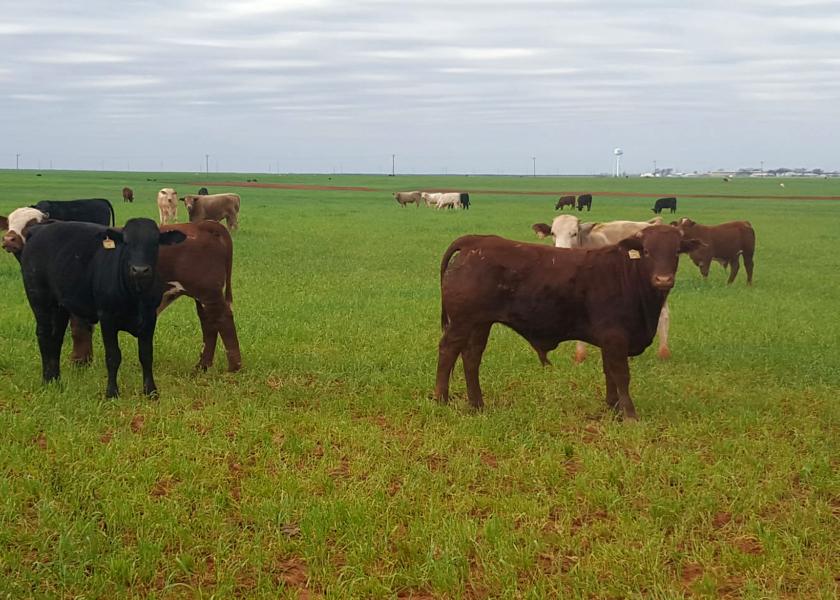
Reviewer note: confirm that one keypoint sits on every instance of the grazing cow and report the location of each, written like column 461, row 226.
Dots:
column 214, row 207
column 404, row 198
column 167, row 202
column 128, row 194
column 663, row 203
column 569, row 232
column 90, row 210
column 723, row 243
column 17, row 227
column 584, row 200
column 200, row 268
column 95, row 273
column 203, row 192
column 565, row 201
column 609, row 297
column 465, row 200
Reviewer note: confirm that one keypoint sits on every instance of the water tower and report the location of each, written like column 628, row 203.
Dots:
column 618, row 152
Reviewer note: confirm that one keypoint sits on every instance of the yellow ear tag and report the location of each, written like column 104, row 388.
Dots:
column 108, row 244
column 633, row 254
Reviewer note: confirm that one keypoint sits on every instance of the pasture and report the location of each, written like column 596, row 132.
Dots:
column 323, row 469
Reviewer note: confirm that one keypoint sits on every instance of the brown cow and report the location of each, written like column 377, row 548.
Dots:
column 610, row 297
column 565, row 201
column 128, row 194
column 214, row 207
column 200, row 269
column 723, row 243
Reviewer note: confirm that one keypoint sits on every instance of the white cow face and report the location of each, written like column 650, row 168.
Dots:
column 566, row 231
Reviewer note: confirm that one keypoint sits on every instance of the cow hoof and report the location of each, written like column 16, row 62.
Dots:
column 664, row 353
column 200, row 368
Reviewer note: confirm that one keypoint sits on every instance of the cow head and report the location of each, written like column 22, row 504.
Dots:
column 566, row 231
column 17, row 227
column 657, row 248
column 140, row 240
column 189, row 202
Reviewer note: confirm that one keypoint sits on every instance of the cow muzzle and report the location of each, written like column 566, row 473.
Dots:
column 12, row 242
column 663, row 282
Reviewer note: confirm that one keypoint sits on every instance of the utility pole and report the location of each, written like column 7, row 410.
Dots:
column 534, row 159
column 393, row 162
column 207, row 163
column 17, row 161
column 762, row 166
column 654, row 167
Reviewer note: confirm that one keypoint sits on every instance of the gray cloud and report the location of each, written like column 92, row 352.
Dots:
column 318, row 85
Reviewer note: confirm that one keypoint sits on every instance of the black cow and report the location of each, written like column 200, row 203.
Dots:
column 465, row 200
column 91, row 210
column 203, row 192
column 663, row 203
column 95, row 274
column 584, row 200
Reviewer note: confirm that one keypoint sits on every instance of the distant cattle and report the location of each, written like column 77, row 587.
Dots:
column 565, row 201
column 584, row 200
column 404, row 198
column 465, row 200
column 96, row 274
column 90, row 210
column 610, row 297
column 167, row 202
column 724, row 243
column 128, row 194
column 200, row 268
column 214, row 207
column 446, row 199
column 17, row 227
column 203, row 192
column 664, row 203
column 569, row 232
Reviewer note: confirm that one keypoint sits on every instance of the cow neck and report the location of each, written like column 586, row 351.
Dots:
column 635, row 284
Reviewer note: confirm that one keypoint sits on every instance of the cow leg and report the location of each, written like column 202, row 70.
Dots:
column 209, row 331
column 471, row 357
column 662, row 332
column 734, row 265
column 748, row 265
column 82, row 334
column 50, row 325
column 145, row 350
column 450, row 346
column 617, row 372
column 232, row 222
column 227, row 329
column 113, row 357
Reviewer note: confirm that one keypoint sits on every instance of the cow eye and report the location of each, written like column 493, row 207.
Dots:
column 574, row 235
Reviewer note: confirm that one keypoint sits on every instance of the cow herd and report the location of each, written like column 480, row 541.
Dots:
column 79, row 269
column 438, row 200
column 604, row 284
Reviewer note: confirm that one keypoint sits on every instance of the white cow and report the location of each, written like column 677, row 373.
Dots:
column 167, row 201
column 445, row 200
column 16, row 224
column 569, row 232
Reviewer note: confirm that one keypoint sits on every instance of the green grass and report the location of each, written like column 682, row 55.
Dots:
column 324, row 469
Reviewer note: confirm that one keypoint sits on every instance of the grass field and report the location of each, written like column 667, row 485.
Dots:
column 323, row 469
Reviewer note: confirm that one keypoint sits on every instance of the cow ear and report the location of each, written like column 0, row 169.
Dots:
column 634, row 242
column 691, row 245
column 114, row 234
column 541, row 229
column 4, row 223
column 586, row 228
column 172, row 237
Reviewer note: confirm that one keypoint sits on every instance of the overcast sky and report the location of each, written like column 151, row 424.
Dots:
column 457, row 86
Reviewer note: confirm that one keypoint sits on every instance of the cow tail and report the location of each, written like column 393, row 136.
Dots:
column 444, row 263
column 113, row 216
